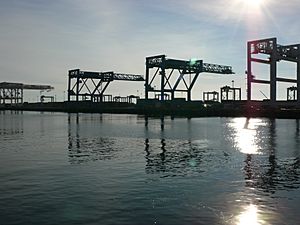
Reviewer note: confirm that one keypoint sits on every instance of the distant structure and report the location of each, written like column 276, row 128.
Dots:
column 173, row 75
column 91, row 86
column 275, row 54
column 12, row 93
column 44, row 97
column 128, row 99
column 211, row 96
column 291, row 93
column 231, row 93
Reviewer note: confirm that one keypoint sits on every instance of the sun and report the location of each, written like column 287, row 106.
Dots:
column 253, row 3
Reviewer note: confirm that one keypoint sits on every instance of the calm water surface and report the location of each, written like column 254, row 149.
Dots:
column 60, row 168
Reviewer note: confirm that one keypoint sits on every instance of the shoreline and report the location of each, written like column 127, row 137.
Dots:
column 156, row 108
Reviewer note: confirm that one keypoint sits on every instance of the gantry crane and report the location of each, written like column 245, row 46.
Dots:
column 90, row 86
column 168, row 69
column 275, row 53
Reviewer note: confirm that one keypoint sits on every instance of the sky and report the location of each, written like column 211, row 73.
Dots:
column 41, row 40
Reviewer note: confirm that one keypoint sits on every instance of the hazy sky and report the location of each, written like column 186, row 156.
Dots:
column 40, row 40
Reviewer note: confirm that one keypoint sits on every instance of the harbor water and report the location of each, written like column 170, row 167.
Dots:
column 59, row 168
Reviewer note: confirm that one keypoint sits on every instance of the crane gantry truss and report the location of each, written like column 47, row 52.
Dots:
column 12, row 93
column 176, row 75
column 90, row 86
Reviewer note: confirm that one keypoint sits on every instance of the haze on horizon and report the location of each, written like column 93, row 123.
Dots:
column 41, row 40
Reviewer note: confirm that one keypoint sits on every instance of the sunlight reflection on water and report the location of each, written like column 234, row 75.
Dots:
column 246, row 138
column 249, row 216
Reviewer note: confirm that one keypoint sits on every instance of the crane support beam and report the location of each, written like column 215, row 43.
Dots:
column 215, row 68
column 105, row 75
column 25, row 86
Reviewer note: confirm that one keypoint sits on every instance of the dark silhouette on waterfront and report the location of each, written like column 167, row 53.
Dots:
column 166, row 77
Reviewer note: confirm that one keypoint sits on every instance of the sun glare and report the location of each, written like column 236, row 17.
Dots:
column 245, row 135
column 249, row 216
column 253, row 3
